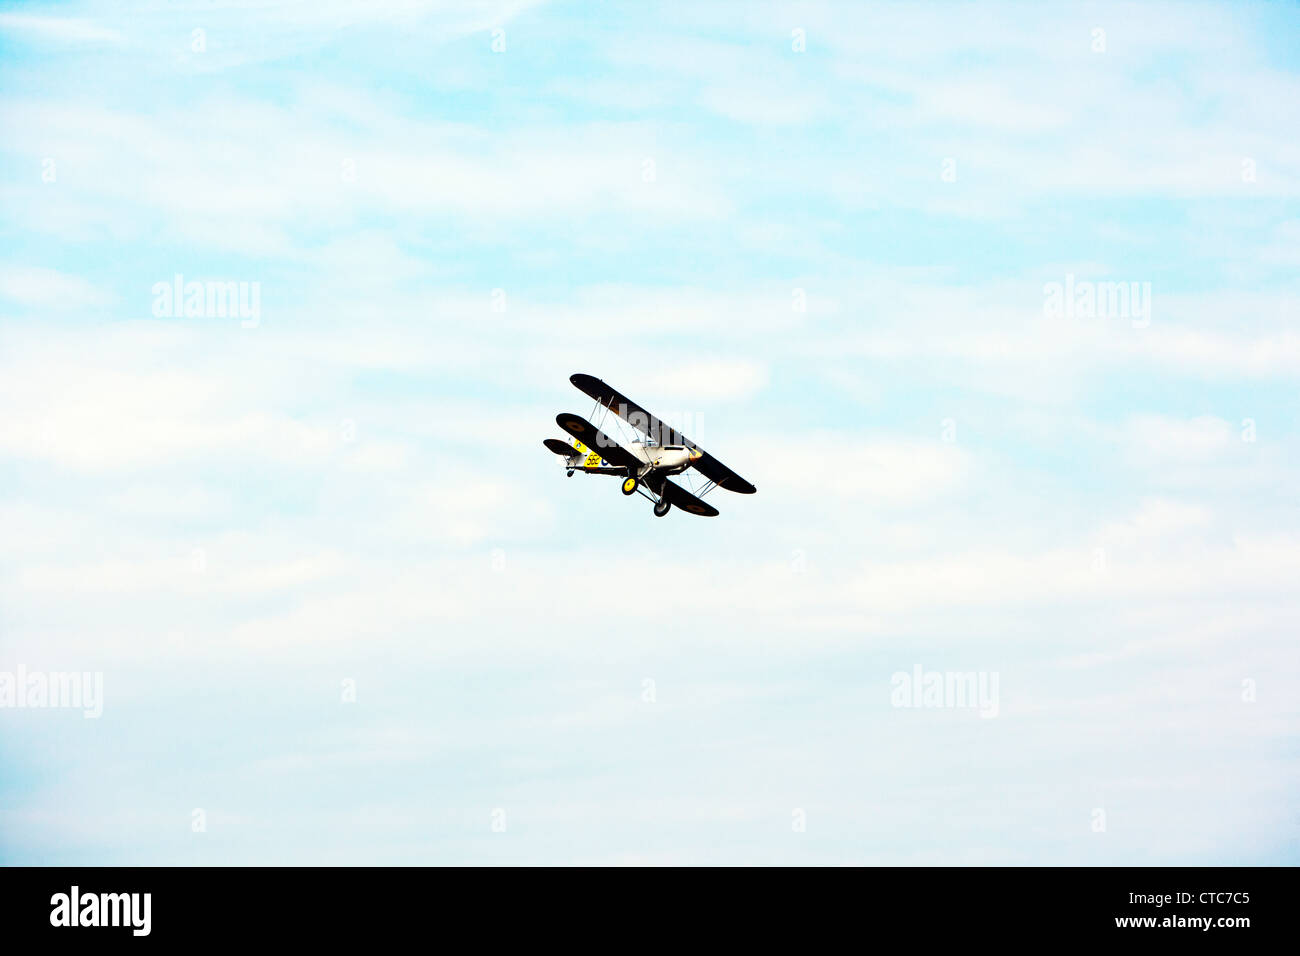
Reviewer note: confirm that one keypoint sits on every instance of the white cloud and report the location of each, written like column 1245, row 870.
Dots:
column 49, row 290
column 1156, row 438
column 716, row 380
column 194, row 572
column 191, row 167
column 74, row 30
column 469, row 509
column 826, row 465
column 1252, row 564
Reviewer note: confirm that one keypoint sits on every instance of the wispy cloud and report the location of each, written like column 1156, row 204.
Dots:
column 72, row 30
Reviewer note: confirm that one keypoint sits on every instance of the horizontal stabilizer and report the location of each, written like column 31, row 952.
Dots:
column 560, row 448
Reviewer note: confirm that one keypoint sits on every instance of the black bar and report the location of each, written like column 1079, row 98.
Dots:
column 925, row 906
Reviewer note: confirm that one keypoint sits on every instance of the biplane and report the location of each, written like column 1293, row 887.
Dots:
column 645, row 465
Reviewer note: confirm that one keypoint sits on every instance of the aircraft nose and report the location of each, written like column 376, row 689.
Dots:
column 696, row 454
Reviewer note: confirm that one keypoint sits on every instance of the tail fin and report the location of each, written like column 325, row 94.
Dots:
column 576, row 450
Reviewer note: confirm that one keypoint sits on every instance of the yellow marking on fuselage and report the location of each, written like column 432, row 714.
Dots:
column 593, row 460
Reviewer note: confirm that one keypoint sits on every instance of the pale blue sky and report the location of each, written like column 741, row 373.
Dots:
column 229, row 522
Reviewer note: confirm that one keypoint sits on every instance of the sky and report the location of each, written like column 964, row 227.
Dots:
column 995, row 304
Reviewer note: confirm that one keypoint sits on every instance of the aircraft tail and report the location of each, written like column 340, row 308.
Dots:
column 588, row 458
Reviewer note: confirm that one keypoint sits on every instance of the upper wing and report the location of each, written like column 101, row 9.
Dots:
column 642, row 420
column 597, row 441
column 679, row 497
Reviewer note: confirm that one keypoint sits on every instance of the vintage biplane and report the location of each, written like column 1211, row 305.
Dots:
column 646, row 464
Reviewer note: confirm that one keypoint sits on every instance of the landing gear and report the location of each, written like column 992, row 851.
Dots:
column 629, row 486
column 661, row 507
column 568, row 474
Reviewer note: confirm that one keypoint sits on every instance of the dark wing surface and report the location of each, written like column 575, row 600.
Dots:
column 679, row 497
column 653, row 428
column 560, row 448
column 597, row 441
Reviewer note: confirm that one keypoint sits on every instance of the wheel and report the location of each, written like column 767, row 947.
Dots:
column 568, row 474
column 629, row 486
column 661, row 507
